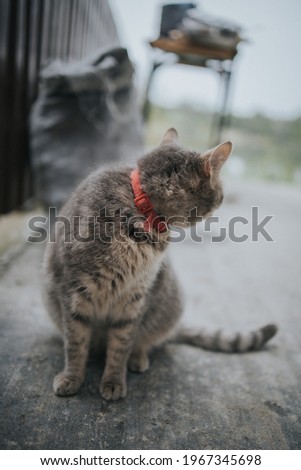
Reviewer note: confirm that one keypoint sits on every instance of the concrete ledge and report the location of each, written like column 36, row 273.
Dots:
column 189, row 399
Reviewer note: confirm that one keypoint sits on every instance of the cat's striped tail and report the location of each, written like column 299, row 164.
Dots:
column 219, row 341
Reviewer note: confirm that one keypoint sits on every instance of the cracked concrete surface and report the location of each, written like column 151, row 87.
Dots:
column 190, row 398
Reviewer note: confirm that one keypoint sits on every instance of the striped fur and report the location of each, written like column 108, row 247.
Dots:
column 219, row 341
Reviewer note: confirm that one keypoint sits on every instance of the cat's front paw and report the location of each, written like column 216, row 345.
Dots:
column 112, row 390
column 65, row 384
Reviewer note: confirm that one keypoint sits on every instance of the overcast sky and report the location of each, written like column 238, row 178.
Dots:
column 268, row 68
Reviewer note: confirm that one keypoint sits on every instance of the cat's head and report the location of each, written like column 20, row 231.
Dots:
column 181, row 183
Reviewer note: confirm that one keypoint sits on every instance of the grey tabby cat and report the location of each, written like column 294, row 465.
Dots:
column 107, row 278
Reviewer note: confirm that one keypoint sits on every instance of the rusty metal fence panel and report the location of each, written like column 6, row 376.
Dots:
column 32, row 32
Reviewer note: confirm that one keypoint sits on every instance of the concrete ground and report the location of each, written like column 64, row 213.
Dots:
column 190, row 398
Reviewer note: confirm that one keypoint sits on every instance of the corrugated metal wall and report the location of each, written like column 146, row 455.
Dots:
column 31, row 33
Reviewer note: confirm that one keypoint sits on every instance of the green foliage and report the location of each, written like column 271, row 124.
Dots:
column 267, row 148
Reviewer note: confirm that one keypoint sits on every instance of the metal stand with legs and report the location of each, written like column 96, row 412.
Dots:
column 219, row 60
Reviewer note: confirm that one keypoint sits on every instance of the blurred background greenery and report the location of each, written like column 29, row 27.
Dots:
column 263, row 147
column 265, row 97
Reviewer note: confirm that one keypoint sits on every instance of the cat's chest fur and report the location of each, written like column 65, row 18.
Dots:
column 119, row 281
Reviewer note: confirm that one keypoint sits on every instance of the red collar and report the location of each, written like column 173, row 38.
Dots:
column 144, row 205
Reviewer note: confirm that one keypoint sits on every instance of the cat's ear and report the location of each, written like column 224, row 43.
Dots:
column 170, row 137
column 215, row 158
